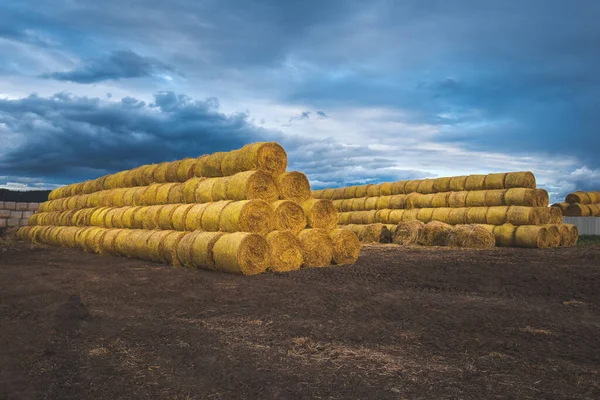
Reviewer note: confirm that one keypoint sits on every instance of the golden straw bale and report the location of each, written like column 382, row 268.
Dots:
column 138, row 196
column 350, row 192
column 285, row 251
column 195, row 249
column 573, row 235
column 422, row 201
column 373, row 233
column 109, row 218
column 71, row 203
column 471, row 236
column 458, row 216
column 407, row 233
column 577, row 210
column 441, row 214
column 475, row 182
column 252, row 185
column 198, row 170
column 218, row 189
column 553, row 235
column 127, row 197
column 544, row 215
column 458, row 183
column 356, row 217
column 542, row 198
column 476, row 215
column 476, row 198
column 171, row 173
column 268, row 157
column 212, row 215
column 412, row 200
column 137, row 176
column 338, row 204
column 441, row 185
column 138, row 217
column 374, row 190
column 556, row 215
column 338, row 194
column 426, row 186
column 254, row 216
column 425, row 214
column 594, row 197
column 411, row 186
column 118, row 217
column 517, row 215
column 524, row 179
column 320, row 213
column 176, row 194
column 396, row 216
column 494, row 198
column 532, row 236
column 128, row 217
column 129, row 179
column 398, row 187
column 386, row 189
column 382, row 216
column 594, row 209
column 151, row 215
column 150, row 194
column 346, row 205
column 242, row 252
column 371, row 203
column 204, row 190
column 137, row 240
column 434, row 233
column 121, row 241
column 160, row 173
column 107, row 246
column 147, row 174
column 97, row 218
column 116, row 198
column 152, row 249
column 369, row 217
column 520, row 197
column 383, row 202
column 167, row 248
column 211, row 167
column 165, row 216
column 185, row 169
column 294, row 186
column 496, row 215
column 458, row 199
column 361, row 191
column 398, row 201
column 359, row 204
column 288, row 216
column 494, row 181
column 440, row 199
column 505, row 235
column 346, row 246
column 343, row 218
column 406, row 215
column 163, row 192
column 327, row 194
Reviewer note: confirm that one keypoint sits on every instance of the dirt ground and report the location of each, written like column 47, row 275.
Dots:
column 400, row 324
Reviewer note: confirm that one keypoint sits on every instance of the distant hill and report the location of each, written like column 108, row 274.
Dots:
column 29, row 196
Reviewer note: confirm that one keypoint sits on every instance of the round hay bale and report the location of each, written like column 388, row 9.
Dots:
column 195, row 249
column 476, row 215
column 136, row 176
column 594, row 209
column 254, row 216
column 338, row 204
column 523, row 179
column 361, row 191
column 356, row 217
column 343, row 218
column 163, row 192
column 122, row 240
column 118, row 218
column 441, row 199
column 398, row 187
column 412, row 200
column 109, row 218
column 71, row 203
column 441, row 215
column 573, row 234
column 577, row 210
column 138, row 217
column 398, row 201
column 494, row 198
column 204, row 190
column 457, row 199
column 176, row 194
column 434, row 233
column 178, row 217
column 458, row 183
column 317, row 247
column 167, row 248
column 193, row 217
column 242, row 252
column 594, row 197
column 359, row 204
column 476, row 198
column 212, row 215
column 97, row 218
column 371, row 203
column 127, row 219
column 407, row 215
column 289, row 216
column 350, row 192
column 185, row 169
column 532, row 236
column 542, row 198
column 165, row 216
column 505, row 235
column 517, row 215
column 147, row 174
column 520, row 197
column 425, row 186
column 384, row 202
column 107, row 246
column 458, row 216
column 151, row 215
column 369, row 217
column 395, row 217
column 556, row 215
column 189, row 189
column 171, row 173
column 374, row 190
column 565, row 235
column 198, row 170
column 211, row 167
column 320, row 214
column 129, row 179
column 385, row 189
column 375, row 233
column 494, row 181
column 137, row 239
column 138, row 196
column 411, row 186
column 152, row 249
column 128, row 196
column 346, row 246
column 425, row 214
column 285, row 251
column 327, row 194
column 421, row 201
column 496, row 215
column 269, row 157
column 407, row 233
column 471, row 237
column 475, row 182
column 294, row 186
column 338, row 193
column 218, row 188
column 441, row 185
column 252, row 185
column 382, row 216
column 554, row 236
column 150, row 194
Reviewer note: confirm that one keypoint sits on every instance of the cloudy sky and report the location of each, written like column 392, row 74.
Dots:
column 356, row 91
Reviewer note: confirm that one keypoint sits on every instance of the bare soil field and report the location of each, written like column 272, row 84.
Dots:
column 400, row 324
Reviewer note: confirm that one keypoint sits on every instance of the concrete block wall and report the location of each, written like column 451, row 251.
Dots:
column 15, row 214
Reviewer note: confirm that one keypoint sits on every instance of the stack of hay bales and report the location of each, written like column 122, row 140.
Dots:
column 580, row 204
column 237, row 212
column 502, row 203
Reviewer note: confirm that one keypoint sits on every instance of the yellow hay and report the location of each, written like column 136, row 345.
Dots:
column 285, row 251
column 338, row 194
column 458, row 216
column 176, row 194
column 594, row 209
column 523, row 215
column 128, row 197
column 532, row 236
column 505, row 235
column 386, row 189
column 494, row 181
column 128, row 217
column 407, row 233
column 441, row 199
column 179, row 215
column 458, row 183
column 398, row 187
column 426, row 186
column 162, row 193
column 383, row 202
column 594, row 197
column 524, row 179
column 172, row 168
column 138, row 196
column 553, row 235
column 138, row 218
column 475, row 182
column 578, row 197
column 150, row 220
column 150, row 194
column 421, row 201
column 160, row 173
column 212, row 215
column 398, row 202
column 396, row 216
column 412, row 199
column 350, row 192
column 476, row 198
column 212, row 165
column 408, row 215
column 288, row 216
column 195, row 250
column 556, row 215
column 107, row 246
column 494, row 198
column 371, row 203
column 369, row 217
column 471, row 236
column 328, row 194
column 542, row 198
column 441, row 215
column 109, row 218
column 294, row 186
column 252, row 185
column 189, row 189
column 411, row 186
column 425, row 214
column 338, row 204
column 320, row 213
column 218, row 189
column 356, row 217
column 476, row 215
column 121, row 241
column 520, row 197
column 241, row 252
column 573, row 235
column 496, row 215
column 434, row 233
column 185, row 169
column 346, row 246
column 343, row 218
column 118, row 218
column 254, row 216
column 269, row 157
column 577, row 210
column 205, row 190
column 198, row 170
column 168, row 248
column 152, row 249
column 165, row 216
column 382, row 216
column 359, row 204
column 361, row 191
column 441, row 185
column 457, row 199
column 374, row 190
column 372, row 233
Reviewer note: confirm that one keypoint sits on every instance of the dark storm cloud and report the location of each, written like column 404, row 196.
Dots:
column 117, row 65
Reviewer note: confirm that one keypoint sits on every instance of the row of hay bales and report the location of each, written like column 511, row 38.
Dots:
column 268, row 202
column 503, row 200
column 580, row 204
column 239, row 252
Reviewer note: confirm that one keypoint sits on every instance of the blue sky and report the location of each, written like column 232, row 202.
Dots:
column 356, row 91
